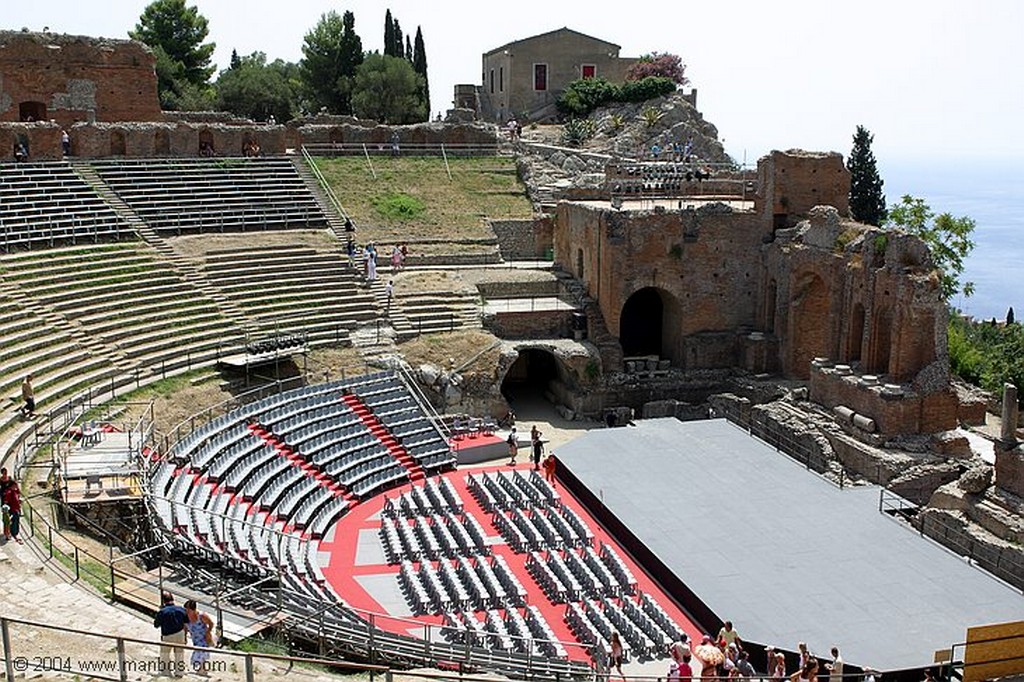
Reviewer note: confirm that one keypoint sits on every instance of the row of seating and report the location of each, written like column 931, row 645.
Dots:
column 48, row 203
column 436, row 495
column 471, row 582
column 508, row 490
column 227, row 193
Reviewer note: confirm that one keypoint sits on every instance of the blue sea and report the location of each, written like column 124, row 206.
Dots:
column 992, row 193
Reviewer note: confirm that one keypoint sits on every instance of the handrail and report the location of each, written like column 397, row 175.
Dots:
column 446, row 166
column 18, row 663
column 366, row 153
column 323, row 183
column 421, row 400
column 367, row 150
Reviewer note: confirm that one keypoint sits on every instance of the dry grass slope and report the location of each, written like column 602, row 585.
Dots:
column 453, row 210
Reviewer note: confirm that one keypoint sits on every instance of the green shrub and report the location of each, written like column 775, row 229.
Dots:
column 645, row 89
column 584, row 95
column 651, row 116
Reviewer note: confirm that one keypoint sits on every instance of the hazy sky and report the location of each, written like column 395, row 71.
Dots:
column 931, row 78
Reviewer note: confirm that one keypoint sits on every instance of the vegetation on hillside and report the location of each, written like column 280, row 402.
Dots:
column 412, row 198
column 987, row 354
column 332, row 75
column 584, row 95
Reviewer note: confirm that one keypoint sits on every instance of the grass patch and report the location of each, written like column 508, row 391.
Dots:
column 398, row 206
column 480, row 187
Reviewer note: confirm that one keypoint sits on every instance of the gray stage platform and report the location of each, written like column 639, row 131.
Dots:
column 782, row 553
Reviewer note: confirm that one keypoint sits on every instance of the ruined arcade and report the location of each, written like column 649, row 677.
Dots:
column 781, row 282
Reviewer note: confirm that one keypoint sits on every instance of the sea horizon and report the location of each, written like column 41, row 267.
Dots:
column 991, row 192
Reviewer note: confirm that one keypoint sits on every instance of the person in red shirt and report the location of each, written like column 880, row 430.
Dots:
column 12, row 500
column 549, row 468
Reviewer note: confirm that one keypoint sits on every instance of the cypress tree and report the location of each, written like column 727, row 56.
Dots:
column 408, row 50
column 1010, row 319
column 867, row 201
column 398, row 49
column 235, row 61
column 419, row 65
column 389, row 35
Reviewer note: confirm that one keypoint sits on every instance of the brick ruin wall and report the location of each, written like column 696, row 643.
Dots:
column 524, row 239
column 182, row 137
column 69, row 79
column 741, row 290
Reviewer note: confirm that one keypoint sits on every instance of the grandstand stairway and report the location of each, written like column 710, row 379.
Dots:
column 382, row 434
column 335, row 222
column 322, row 478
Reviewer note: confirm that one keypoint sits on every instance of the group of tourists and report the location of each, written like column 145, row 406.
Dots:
column 399, row 253
column 536, row 452
column 726, row 657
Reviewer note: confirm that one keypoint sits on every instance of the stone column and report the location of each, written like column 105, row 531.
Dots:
column 1008, row 434
column 1009, row 455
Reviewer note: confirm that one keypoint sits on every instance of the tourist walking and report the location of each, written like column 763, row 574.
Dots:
column 28, row 394
column 513, row 446
column 171, row 620
column 200, row 630
column 617, row 654
column 371, row 263
column 538, row 446
column 835, row 668
column 65, row 142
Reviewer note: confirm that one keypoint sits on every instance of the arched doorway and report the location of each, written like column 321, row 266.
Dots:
column 809, row 319
column 206, row 143
column 641, row 325
column 855, row 340
column 32, row 111
column 881, row 341
column 532, row 372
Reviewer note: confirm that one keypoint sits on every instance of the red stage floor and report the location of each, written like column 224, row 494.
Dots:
column 343, row 571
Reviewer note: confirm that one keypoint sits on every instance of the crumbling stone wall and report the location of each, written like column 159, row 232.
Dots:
column 524, row 239
column 703, row 262
column 741, row 289
column 791, row 183
column 74, row 78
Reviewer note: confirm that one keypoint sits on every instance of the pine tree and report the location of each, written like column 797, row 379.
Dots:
column 867, row 201
column 389, row 34
column 419, row 65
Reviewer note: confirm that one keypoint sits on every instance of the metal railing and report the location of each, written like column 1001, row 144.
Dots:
column 781, row 438
column 25, row 653
column 367, row 149
column 324, row 185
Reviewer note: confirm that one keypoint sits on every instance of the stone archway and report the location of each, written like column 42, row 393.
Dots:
column 650, row 324
column 881, row 341
column 531, row 375
column 162, row 142
column 809, row 314
column 32, row 111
